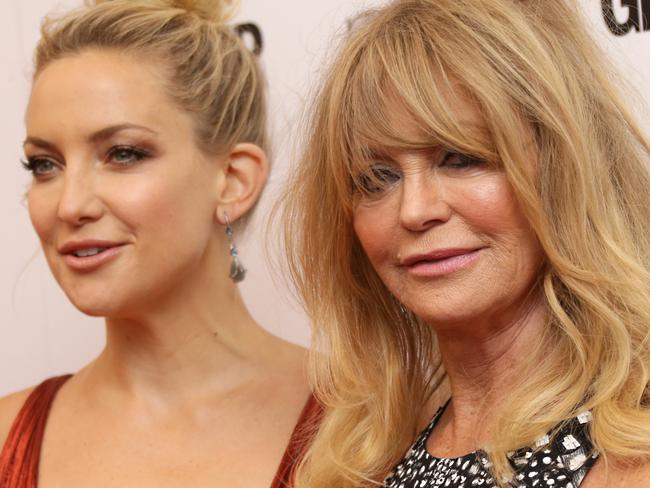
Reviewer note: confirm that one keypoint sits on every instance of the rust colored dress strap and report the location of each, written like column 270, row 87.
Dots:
column 302, row 435
column 20, row 456
column 22, row 450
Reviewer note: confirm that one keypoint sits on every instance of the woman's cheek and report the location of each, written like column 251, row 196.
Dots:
column 488, row 206
column 375, row 233
column 42, row 213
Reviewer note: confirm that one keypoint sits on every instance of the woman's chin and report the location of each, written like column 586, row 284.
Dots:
column 95, row 310
column 449, row 312
column 93, row 306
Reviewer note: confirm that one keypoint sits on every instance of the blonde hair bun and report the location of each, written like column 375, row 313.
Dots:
column 217, row 11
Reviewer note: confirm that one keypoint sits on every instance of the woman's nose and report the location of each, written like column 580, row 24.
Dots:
column 78, row 202
column 423, row 202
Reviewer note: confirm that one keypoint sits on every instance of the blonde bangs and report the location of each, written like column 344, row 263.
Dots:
column 399, row 73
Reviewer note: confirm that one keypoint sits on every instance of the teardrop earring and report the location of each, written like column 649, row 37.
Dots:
column 237, row 270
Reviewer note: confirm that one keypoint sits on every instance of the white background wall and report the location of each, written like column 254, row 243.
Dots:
column 41, row 334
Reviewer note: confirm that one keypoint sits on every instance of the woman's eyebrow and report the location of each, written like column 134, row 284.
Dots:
column 38, row 142
column 378, row 154
column 108, row 132
column 98, row 136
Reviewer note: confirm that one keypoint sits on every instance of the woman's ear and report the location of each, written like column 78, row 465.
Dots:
column 246, row 171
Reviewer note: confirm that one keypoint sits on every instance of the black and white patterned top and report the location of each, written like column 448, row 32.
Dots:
column 558, row 462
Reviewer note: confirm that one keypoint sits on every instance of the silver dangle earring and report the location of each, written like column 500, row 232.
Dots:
column 237, row 270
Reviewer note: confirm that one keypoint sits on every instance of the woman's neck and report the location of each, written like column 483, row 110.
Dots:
column 483, row 364
column 201, row 339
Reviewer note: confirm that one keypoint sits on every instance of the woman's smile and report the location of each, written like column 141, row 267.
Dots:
column 90, row 255
column 441, row 262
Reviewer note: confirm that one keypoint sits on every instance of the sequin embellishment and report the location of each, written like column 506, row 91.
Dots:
column 559, row 461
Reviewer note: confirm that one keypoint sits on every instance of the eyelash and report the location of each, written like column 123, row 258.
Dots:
column 385, row 175
column 381, row 177
column 32, row 164
column 466, row 161
column 135, row 155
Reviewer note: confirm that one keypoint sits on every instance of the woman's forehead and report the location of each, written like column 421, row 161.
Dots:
column 397, row 126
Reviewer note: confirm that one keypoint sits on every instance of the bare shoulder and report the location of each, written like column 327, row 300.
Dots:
column 9, row 408
column 294, row 367
column 286, row 370
column 296, row 356
column 285, row 357
column 616, row 475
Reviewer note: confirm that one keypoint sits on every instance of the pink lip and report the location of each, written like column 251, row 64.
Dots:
column 89, row 263
column 440, row 262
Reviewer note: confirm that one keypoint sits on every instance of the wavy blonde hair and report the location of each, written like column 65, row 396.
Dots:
column 531, row 68
column 211, row 74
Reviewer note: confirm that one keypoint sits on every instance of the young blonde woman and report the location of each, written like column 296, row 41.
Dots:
column 146, row 137
column 470, row 225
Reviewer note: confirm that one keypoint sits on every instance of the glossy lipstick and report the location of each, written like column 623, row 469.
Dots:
column 86, row 256
column 440, row 262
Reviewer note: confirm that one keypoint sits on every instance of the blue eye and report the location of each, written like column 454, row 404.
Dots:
column 460, row 161
column 378, row 179
column 126, row 155
column 40, row 167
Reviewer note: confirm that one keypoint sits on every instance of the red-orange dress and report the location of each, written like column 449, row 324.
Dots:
column 20, row 456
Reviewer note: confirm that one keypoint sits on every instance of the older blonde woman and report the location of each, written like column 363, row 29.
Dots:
column 470, row 226
column 145, row 138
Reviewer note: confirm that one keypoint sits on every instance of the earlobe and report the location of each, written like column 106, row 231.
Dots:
column 246, row 172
